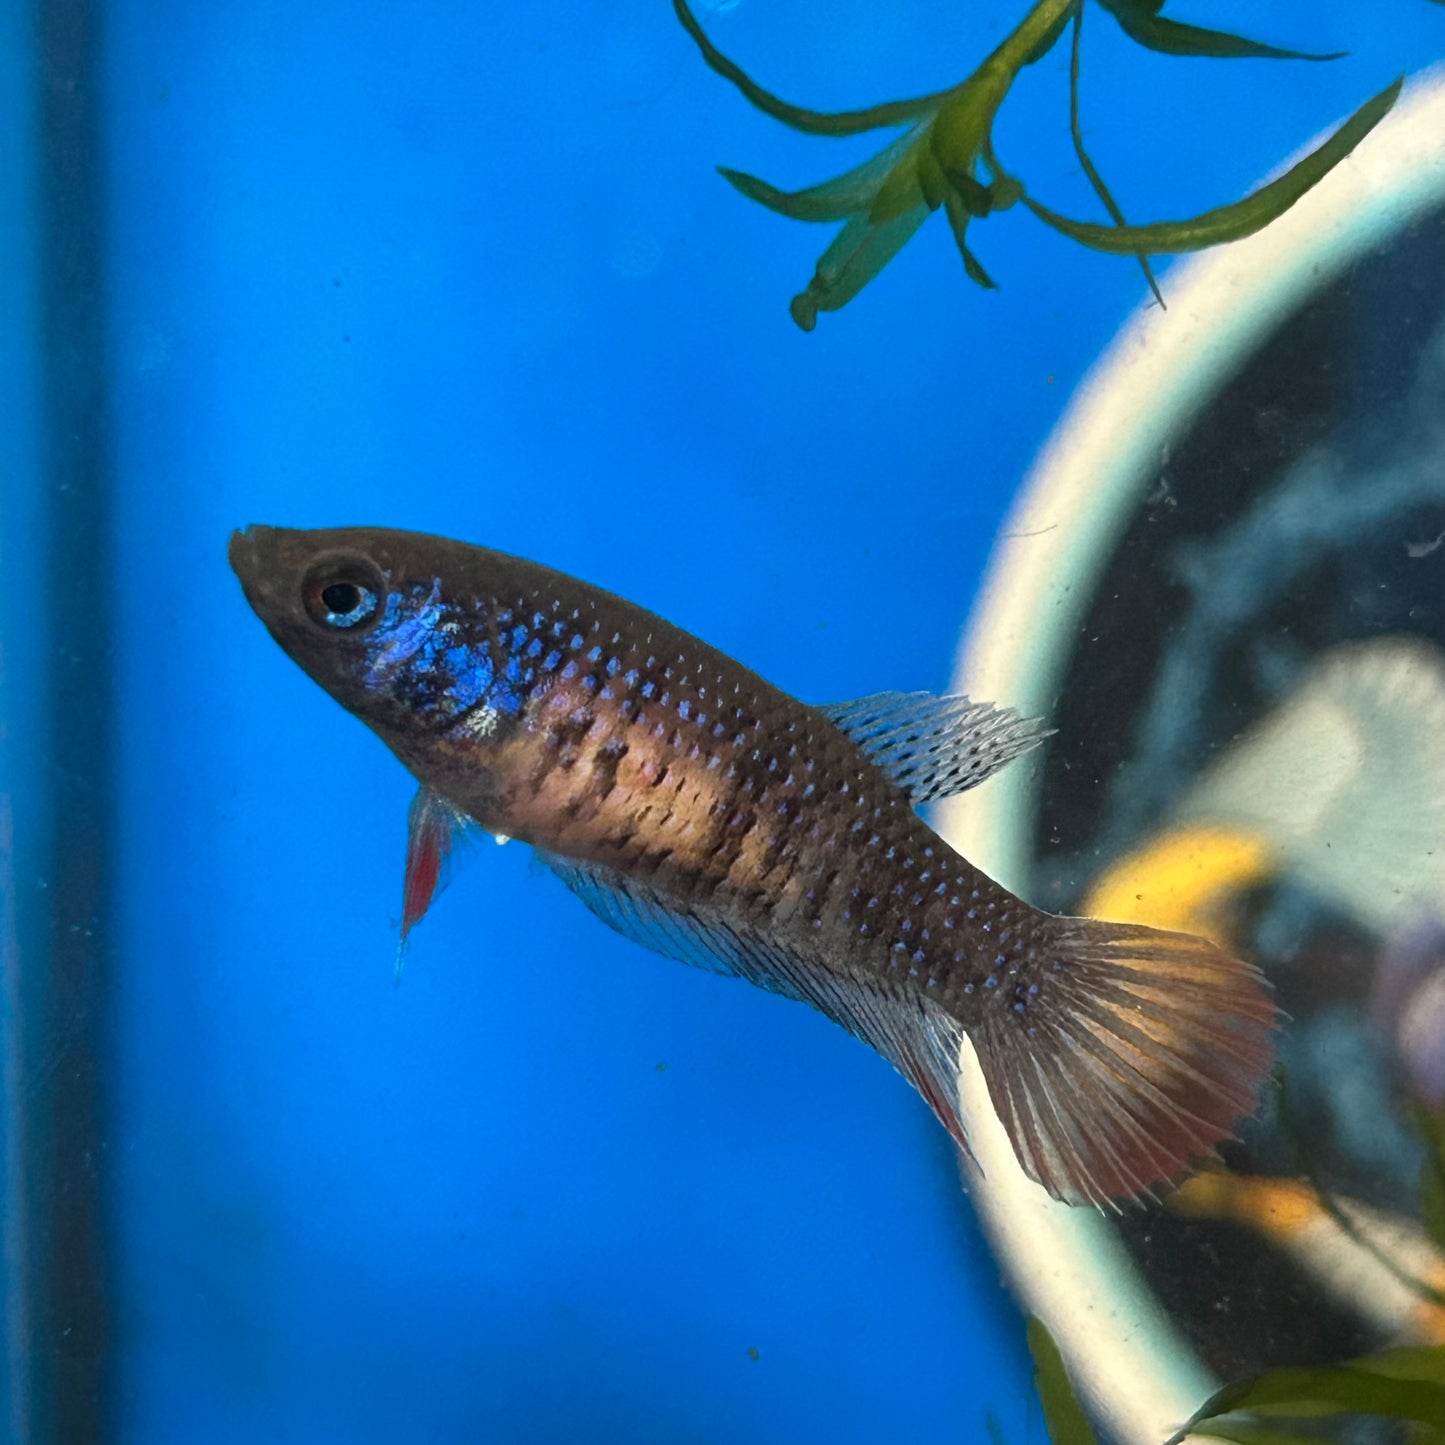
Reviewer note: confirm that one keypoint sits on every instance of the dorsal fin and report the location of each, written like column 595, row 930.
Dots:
column 931, row 746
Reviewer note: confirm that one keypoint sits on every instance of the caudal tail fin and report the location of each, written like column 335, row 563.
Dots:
column 1129, row 1054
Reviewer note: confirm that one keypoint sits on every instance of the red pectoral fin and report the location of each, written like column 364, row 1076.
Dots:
column 432, row 825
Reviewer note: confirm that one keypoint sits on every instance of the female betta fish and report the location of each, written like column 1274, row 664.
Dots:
column 707, row 815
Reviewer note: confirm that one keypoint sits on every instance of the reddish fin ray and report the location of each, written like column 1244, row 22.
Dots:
column 432, row 825
column 1136, row 1056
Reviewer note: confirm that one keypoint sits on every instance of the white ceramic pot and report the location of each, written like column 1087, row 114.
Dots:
column 1067, row 1264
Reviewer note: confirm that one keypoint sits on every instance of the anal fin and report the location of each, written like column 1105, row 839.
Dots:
column 916, row 1037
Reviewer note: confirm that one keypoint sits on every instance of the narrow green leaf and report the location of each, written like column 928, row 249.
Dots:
column 1243, row 218
column 1241, row 1432
column 858, row 253
column 811, row 122
column 959, row 216
column 1051, row 36
column 1090, row 169
column 1172, row 37
column 1064, row 1416
column 1407, row 1362
column 1328, row 1390
column 900, row 192
column 833, row 200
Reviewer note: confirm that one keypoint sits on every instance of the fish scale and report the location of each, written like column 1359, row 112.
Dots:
column 744, row 812
column 706, row 814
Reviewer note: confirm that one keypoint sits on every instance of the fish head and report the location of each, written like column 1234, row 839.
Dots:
column 395, row 626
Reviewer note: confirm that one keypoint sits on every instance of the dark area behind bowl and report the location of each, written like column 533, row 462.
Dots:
column 1295, row 514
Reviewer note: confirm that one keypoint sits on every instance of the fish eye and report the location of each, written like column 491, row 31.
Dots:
column 343, row 598
column 343, row 594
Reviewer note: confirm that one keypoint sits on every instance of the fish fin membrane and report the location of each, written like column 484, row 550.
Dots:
column 915, row 1036
column 934, row 747
column 638, row 912
column 1132, row 1054
column 433, row 827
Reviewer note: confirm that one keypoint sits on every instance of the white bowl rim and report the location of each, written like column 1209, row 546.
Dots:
column 1067, row 1265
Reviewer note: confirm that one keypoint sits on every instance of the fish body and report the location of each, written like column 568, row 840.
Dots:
column 707, row 814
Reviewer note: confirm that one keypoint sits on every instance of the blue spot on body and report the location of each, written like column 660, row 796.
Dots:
column 503, row 698
column 471, row 673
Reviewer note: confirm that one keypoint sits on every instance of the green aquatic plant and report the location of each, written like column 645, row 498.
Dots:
column 1064, row 1416
column 1407, row 1385
column 945, row 158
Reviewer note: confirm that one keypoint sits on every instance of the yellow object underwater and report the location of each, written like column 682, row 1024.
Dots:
column 1185, row 880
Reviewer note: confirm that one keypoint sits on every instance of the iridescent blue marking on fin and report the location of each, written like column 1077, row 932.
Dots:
column 916, row 1037
column 934, row 747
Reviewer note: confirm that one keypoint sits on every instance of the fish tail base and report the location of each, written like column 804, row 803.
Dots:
column 1127, row 1056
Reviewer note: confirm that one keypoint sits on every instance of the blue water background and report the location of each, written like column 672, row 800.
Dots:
column 467, row 268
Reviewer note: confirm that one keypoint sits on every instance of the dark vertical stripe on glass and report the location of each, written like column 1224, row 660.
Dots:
column 66, row 1023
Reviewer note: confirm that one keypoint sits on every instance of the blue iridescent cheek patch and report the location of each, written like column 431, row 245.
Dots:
column 398, row 639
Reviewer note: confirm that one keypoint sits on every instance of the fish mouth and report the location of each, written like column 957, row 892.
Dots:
column 245, row 548
column 267, row 568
